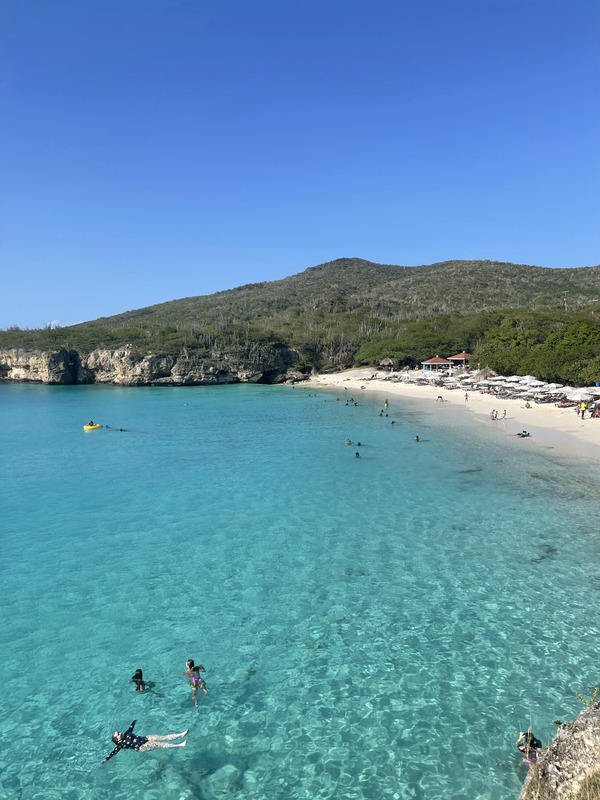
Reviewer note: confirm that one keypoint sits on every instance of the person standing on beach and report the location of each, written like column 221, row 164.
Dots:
column 466, row 397
column 129, row 741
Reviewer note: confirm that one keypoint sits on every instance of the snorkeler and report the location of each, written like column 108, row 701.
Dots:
column 139, row 681
column 129, row 741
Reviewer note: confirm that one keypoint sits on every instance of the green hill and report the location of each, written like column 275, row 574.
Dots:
column 355, row 311
column 394, row 292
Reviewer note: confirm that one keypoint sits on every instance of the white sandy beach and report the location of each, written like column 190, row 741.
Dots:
column 560, row 428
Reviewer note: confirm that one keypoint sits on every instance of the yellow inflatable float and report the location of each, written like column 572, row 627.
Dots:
column 91, row 427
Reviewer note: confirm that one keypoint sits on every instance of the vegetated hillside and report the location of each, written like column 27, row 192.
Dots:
column 354, row 311
column 393, row 292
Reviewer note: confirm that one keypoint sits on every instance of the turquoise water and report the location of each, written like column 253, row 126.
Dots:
column 371, row 628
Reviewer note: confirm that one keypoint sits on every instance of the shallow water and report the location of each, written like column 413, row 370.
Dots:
column 371, row 627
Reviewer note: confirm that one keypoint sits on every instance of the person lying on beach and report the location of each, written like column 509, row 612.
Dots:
column 129, row 741
column 193, row 674
column 523, row 434
column 138, row 679
column 528, row 744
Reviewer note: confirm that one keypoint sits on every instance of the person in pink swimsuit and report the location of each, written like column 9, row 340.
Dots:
column 192, row 671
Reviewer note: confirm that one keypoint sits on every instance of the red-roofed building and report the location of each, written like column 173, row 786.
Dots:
column 464, row 357
column 436, row 363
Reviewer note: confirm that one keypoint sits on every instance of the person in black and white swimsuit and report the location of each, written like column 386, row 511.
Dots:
column 129, row 741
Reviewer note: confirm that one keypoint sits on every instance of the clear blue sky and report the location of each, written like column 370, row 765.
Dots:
column 157, row 149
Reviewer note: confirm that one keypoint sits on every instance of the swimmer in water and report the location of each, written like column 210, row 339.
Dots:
column 138, row 679
column 193, row 674
column 528, row 744
column 129, row 741
column 417, row 439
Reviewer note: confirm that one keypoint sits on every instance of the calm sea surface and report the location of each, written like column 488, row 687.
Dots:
column 373, row 627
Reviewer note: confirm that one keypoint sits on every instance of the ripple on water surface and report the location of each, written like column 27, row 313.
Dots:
column 372, row 627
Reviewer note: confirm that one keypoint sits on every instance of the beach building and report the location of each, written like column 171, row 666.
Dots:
column 436, row 363
column 460, row 359
column 387, row 364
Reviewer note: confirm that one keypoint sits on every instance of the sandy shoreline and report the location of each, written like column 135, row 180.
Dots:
column 560, row 428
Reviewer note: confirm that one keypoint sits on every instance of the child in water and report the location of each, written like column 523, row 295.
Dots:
column 138, row 679
column 193, row 674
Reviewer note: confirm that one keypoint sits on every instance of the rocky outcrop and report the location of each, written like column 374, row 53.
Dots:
column 36, row 367
column 570, row 768
column 257, row 364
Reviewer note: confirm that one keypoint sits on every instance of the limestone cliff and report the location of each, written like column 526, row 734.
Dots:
column 570, row 768
column 256, row 364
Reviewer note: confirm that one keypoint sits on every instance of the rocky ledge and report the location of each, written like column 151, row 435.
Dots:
column 256, row 364
column 570, row 768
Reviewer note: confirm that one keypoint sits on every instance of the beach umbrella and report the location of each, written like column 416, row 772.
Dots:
column 528, row 378
column 514, row 378
column 578, row 394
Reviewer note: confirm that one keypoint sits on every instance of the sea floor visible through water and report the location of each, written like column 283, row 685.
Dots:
column 373, row 627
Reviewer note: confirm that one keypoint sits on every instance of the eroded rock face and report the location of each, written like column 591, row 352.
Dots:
column 258, row 365
column 570, row 768
column 25, row 367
